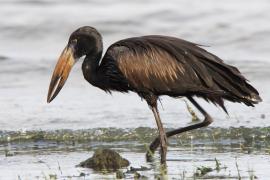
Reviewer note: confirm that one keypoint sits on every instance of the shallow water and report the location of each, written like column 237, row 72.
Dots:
column 32, row 35
column 41, row 154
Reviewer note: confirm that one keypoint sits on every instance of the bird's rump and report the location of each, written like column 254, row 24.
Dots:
column 175, row 67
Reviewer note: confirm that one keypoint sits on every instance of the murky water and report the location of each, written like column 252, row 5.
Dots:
column 32, row 35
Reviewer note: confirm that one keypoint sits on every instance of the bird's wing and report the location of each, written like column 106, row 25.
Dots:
column 172, row 66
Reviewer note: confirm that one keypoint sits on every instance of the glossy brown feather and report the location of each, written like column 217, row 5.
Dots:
column 144, row 70
column 170, row 66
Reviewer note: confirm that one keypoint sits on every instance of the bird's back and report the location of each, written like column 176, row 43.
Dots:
column 170, row 66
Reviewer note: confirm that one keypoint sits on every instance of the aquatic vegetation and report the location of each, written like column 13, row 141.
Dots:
column 256, row 137
column 134, row 171
column 105, row 159
column 142, row 168
column 203, row 170
column 194, row 116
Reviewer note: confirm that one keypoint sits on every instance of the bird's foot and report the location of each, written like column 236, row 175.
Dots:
column 154, row 145
column 151, row 149
column 163, row 148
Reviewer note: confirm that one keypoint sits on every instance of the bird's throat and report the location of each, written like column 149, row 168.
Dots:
column 90, row 68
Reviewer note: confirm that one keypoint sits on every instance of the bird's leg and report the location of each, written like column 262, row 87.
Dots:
column 208, row 120
column 162, row 136
column 152, row 102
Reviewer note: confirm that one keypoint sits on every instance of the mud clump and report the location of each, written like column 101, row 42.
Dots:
column 105, row 159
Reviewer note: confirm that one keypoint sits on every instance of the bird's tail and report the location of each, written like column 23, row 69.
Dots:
column 232, row 83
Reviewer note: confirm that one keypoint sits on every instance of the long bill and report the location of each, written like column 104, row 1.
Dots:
column 61, row 72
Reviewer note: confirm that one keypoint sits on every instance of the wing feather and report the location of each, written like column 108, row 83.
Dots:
column 171, row 66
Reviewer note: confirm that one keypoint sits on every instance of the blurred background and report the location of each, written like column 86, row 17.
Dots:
column 34, row 32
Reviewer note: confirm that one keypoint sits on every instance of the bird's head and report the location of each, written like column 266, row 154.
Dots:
column 84, row 41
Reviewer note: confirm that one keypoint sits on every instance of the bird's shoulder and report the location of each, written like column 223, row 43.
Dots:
column 177, row 48
column 150, row 62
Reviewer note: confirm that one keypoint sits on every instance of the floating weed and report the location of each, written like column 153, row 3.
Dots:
column 134, row 172
column 203, row 170
column 142, row 168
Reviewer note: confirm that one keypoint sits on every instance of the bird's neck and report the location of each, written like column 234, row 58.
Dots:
column 93, row 61
column 94, row 54
column 90, row 67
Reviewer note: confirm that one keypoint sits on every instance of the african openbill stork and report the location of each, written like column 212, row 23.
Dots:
column 153, row 66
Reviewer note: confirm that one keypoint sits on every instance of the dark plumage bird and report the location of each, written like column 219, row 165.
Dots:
column 153, row 66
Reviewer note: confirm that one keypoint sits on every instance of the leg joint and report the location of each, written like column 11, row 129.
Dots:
column 150, row 98
column 208, row 120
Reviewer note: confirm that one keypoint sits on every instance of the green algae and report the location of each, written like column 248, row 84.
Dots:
column 105, row 159
column 256, row 137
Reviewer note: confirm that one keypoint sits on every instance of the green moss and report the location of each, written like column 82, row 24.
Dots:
column 105, row 159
